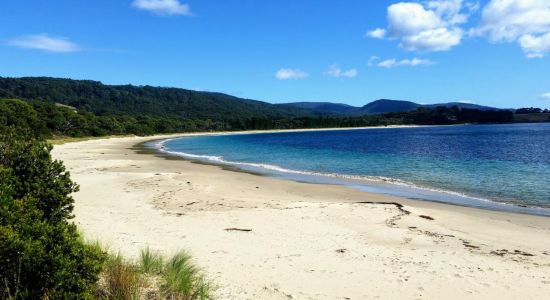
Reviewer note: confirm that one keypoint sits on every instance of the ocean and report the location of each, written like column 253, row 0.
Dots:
column 503, row 167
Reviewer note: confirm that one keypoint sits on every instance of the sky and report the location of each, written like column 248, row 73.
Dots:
column 490, row 52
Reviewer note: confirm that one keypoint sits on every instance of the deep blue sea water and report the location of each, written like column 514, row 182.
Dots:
column 492, row 166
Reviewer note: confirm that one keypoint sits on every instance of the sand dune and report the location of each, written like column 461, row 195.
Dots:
column 306, row 241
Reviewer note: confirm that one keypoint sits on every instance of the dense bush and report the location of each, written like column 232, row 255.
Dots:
column 44, row 119
column 41, row 254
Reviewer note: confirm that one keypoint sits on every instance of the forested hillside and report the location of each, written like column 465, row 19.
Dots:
column 49, row 107
column 100, row 99
column 46, row 119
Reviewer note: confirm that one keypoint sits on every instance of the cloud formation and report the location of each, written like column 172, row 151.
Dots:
column 391, row 63
column 545, row 96
column 431, row 26
column 336, row 71
column 163, row 7
column 372, row 60
column 377, row 33
column 286, row 74
column 44, row 42
column 526, row 22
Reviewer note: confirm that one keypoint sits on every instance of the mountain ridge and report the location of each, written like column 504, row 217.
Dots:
column 381, row 106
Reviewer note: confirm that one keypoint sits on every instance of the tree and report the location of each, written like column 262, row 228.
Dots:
column 41, row 253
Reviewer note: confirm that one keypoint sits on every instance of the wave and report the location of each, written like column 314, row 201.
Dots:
column 366, row 179
column 373, row 179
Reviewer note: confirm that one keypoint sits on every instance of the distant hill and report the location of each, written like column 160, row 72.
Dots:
column 322, row 107
column 462, row 105
column 381, row 106
column 387, row 106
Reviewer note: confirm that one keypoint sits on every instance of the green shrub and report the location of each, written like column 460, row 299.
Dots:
column 41, row 255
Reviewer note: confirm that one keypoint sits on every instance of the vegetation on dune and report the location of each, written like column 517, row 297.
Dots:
column 182, row 279
column 150, row 262
column 120, row 279
column 153, row 277
column 42, row 255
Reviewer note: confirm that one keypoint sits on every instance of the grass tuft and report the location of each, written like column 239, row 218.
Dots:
column 183, row 280
column 150, row 262
column 122, row 280
column 153, row 277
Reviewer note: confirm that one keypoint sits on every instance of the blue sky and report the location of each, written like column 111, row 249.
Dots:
column 492, row 52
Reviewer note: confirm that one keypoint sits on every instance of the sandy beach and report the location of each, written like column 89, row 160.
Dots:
column 305, row 241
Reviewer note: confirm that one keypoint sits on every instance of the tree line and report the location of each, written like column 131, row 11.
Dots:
column 532, row 110
column 49, row 120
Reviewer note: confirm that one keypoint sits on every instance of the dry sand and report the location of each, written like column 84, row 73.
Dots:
column 308, row 241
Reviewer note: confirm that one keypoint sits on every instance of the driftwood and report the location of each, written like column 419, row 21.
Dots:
column 238, row 229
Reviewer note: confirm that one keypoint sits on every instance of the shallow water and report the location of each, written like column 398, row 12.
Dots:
column 489, row 166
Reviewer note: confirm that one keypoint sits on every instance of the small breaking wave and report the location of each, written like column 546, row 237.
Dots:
column 362, row 179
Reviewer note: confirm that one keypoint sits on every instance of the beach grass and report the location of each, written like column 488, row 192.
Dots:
column 121, row 280
column 150, row 262
column 182, row 279
column 152, row 276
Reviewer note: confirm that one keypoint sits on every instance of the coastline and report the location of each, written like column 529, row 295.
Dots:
column 370, row 184
column 307, row 240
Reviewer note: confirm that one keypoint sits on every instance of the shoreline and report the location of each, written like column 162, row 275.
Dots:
column 307, row 240
column 362, row 183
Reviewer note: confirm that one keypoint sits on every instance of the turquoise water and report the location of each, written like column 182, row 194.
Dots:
column 492, row 166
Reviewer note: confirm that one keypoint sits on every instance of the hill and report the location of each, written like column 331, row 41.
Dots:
column 382, row 106
column 322, row 107
column 461, row 105
column 49, row 107
column 387, row 106
column 101, row 99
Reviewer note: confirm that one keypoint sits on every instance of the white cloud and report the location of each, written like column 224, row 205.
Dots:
column 408, row 18
column 507, row 20
column 163, row 7
column 377, row 33
column 44, row 42
column 524, row 21
column 473, row 6
column 336, row 71
column 285, row 74
column 372, row 60
column 431, row 26
column 439, row 39
column 535, row 46
column 388, row 63
column 391, row 63
column 452, row 11
column 545, row 96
